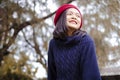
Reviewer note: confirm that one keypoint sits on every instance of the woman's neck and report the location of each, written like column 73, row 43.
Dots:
column 70, row 32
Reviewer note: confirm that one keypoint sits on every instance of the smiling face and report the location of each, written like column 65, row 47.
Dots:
column 73, row 20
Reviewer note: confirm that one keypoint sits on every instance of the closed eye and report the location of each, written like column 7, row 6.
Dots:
column 78, row 15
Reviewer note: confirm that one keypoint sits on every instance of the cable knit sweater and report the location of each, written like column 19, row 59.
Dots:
column 73, row 58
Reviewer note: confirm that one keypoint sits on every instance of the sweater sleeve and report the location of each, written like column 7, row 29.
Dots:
column 89, row 65
column 51, row 64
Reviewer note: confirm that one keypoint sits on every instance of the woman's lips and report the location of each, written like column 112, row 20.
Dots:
column 73, row 21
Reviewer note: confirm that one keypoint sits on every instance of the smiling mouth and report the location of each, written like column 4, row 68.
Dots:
column 73, row 21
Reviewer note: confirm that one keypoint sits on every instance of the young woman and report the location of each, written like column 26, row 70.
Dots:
column 71, row 54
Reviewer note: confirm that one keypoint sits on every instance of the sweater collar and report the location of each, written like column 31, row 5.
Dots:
column 71, row 40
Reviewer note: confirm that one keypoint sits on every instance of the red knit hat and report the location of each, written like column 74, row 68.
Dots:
column 62, row 9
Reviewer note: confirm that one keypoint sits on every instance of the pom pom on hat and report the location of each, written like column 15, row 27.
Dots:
column 61, row 9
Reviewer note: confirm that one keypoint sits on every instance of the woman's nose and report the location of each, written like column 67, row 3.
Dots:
column 74, row 16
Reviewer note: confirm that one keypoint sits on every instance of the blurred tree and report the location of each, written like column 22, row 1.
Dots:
column 13, row 69
column 23, row 29
column 102, row 21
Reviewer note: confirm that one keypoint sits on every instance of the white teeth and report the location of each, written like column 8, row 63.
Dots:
column 73, row 22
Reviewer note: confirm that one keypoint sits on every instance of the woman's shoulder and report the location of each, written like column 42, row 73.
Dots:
column 51, row 41
column 87, row 39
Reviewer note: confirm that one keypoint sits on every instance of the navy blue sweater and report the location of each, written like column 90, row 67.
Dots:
column 73, row 58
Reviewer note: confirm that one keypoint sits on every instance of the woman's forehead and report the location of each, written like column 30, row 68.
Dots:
column 73, row 10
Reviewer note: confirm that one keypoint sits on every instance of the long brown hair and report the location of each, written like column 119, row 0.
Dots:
column 61, row 29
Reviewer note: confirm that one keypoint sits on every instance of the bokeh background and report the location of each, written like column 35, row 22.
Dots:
column 26, row 28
